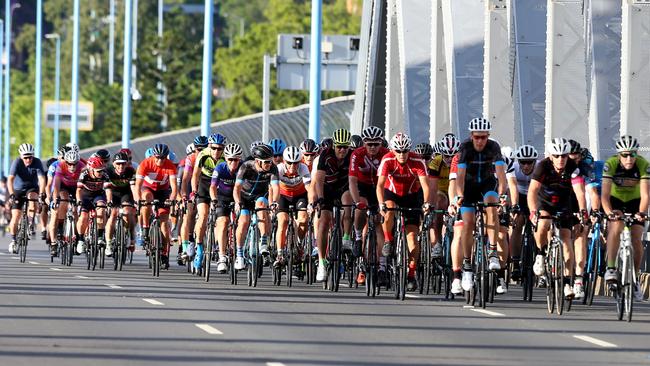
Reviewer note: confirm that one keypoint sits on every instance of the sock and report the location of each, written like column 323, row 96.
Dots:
column 346, row 236
column 358, row 234
column 611, row 263
column 388, row 236
column 457, row 273
column 382, row 262
column 186, row 243
column 578, row 280
column 240, row 251
column 264, row 240
column 321, row 262
column 100, row 233
column 13, row 237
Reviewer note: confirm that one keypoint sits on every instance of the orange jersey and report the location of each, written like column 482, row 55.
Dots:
column 154, row 176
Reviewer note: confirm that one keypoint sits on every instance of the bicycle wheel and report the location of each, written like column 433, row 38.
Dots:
column 628, row 288
column 154, row 248
column 447, row 269
column 559, row 279
column 22, row 240
column 117, row 253
column 207, row 254
column 255, row 257
column 492, row 285
column 424, row 269
column 483, row 275
column 101, row 253
column 291, row 246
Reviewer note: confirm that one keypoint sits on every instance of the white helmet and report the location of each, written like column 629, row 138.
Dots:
column 189, row 149
column 26, row 149
column 448, row 145
column 292, row 154
column 400, row 141
column 526, row 152
column 558, row 146
column 626, row 143
column 232, row 151
column 372, row 133
column 71, row 156
column 507, row 152
column 72, row 146
column 480, row 125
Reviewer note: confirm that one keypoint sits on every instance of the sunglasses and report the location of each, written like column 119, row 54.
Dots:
column 628, row 155
column 71, row 164
column 480, row 137
column 526, row 162
column 292, row 162
column 309, row 155
column 230, row 160
column 402, row 151
column 341, row 147
column 98, row 170
column 120, row 164
column 218, row 148
column 160, row 157
column 28, row 157
column 373, row 144
column 277, row 156
column 265, row 162
column 563, row 156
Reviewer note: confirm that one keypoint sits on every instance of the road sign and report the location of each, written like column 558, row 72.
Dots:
column 64, row 110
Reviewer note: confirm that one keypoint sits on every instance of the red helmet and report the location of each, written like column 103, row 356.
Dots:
column 95, row 162
column 127, row 151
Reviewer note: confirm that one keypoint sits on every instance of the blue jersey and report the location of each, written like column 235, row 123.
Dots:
column 52, row 169
column 224, row 179
column 26, row 176
column 595, row 178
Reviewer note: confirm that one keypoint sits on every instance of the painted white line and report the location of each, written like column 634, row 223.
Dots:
column 82, row 277
column 2, row 253
column 468, row 306
column 55, row 269
column 209, row 329
column 153, row 302
column 595, row 341
column 412, row 296
column 274, row 364
column 30, row 262
column 488, row 312
column 110, row 285
column 15, row 258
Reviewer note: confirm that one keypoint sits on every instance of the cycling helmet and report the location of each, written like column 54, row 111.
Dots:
column 558, row 146
column 356, row 141
column 309, row 146
column 400, row 141
column 120, row 157
column 104, row 155
column 26, row 149
column 278, row 146
column 372, row 133
column 292, row 154
column 148, row 153
column 262, row 152
column 626, row 143
column 326, row 143
column 425, row 150
column 384, row 142
column 341, row 137
column 575, row 147
column 480, row 125
column 172, row 157
column 127, row 151
column 71, row 156
column 217, row 138
column 72, row 146
column 232, row 151
column 526, row 152
column 160, row 150
column 60, row 152
column 200, row 142
column 507, row 152
column 448, row 145
column 189, row 149
column 256, row 143
column 95, row 163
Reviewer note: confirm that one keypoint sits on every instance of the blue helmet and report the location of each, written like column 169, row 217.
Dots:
column 201, row 142
column 217, row 138
column 278, row 146
column 148, row 153
column 172, row 157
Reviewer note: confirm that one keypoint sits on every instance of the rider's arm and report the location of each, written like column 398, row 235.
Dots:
column 645, row 195
column 213, row 184
column 605, row 195
column 381, row 180
column 594, row 197
column 236, row 191
column 109, row 194
column 319, row 179
column 137, row 189
column 514, row 191
column 426, row 189
column 10, row 184
column 196, row 175
column 174, row 186
column 57, row 187
column 42, row 182
column 533, row 192
column 460, row 181
column 354, row 188
column 433, row 187
column 185, row 178
column 579, row 189
column 78, row 194
column 501, row 176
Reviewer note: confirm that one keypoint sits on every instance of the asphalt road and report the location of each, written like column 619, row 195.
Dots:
column 54, row 315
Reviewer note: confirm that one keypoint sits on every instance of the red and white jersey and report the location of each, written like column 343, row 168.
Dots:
column 365, row 167
column 402, row 179
column 154, row 176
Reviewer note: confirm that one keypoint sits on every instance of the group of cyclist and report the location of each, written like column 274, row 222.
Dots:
column 355, row 174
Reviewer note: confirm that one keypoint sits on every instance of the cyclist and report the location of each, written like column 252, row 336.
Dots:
column 425, row 150
column 549, row 193
column 177, row 219
column 438, row 169
column 278, row 146
column 64, row 187
column 104, row 155
column 525, row 162
column 119, row 193
column 309, row 150
column 26, row 180
column 364, row 164
column 251, row 147
column 625, row 189
column 90, row 193
column 479, row 161
column 200, row 143
column 156, row 180
column 294, row 185
column 221, row 190
column 255, row 179
column 356, row 142
column 402, row 174
column 331, row 185
column 206, row 161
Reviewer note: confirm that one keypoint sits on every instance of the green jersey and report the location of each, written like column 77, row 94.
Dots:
column 207, row 163
column 626, row 183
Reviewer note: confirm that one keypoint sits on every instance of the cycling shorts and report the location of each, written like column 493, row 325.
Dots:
column 248, row 205
column 223, row 207
column 369, row 192
column 477, row 192
column 161, row 196
column 567, row 221
column 90, row 199
column 122, row 198
column 21, row 197
column 331, row 196
column 298, row 202
column 203, row 194
column 629, row 207
column 411, row 200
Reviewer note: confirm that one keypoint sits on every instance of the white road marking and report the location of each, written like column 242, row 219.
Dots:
column 82, row 277
column 153, row 302
column 31, row 262
column 412, row 296
column 468, row 306
column 2, row 253
column 274, row 364
column 55, row 269
column 15, row 258
column 595, row 341
column 209, row 329
column 113, row 286
column 488, row 312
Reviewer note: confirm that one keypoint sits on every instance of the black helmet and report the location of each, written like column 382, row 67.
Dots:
column 201, row 142
column 262, row 152
column 309, row 146
column 121, row 157
column 103, row 154
column 575, row 147
column 425, row 150
column 356, row 141
column 160, row 150
column 326, row 143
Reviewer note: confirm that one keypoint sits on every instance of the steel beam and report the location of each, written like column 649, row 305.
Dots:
column 440, row 121
column 394, row 107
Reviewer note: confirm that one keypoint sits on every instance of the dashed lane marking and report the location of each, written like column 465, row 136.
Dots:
column 209, row 329
column 595, row 341
column 153, row 302
column 110, row 285
column 82, row 277
column 55, row 269
column 32, row 262
column 488, row 312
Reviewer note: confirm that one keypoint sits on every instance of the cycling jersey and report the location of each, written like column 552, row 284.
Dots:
column 479, row 165
column 255, row 183
column 224, row 179
column 190, row 160
column 453, row 167
column 207, row 163
column 363, row 166
column 626, row 183
column 120, row 182
column 294, row 185
column 556, row 187
column 26, row 176
column 336, row 171
column 156, row 177
column 52, row 169
column 69, row 178
column 523, row 180
column 402, row 179
column 91, row 184
column 595, row 179
column 439, row 170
